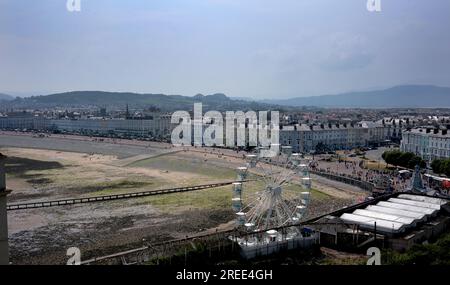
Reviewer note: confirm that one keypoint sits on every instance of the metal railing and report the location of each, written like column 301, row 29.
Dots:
column 73, row 201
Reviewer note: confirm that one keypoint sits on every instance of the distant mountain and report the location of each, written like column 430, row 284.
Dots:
column 216, row 101
column 5, row 97
column 404, row 96
column 248, row 99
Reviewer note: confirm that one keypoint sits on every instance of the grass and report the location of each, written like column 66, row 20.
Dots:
column 18, row 164
column 100, row 182
column 91, row 183
column 96, row 182
column 191, row 165
column 315, row 194
column 120, row 186
column 18, row 167
column 214, row 198
column 343, row 261
column 375, row 165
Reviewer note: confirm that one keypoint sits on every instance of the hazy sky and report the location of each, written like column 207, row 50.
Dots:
column 252, row 48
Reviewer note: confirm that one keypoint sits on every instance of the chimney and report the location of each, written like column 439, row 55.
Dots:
column 444, row 132
column 4, row 247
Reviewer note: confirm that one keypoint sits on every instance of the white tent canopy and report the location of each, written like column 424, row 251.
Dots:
column 418, row 217
column 415, row 203
column 384, row 216
column 371, row 223
column 418, row 198
column 410, row 208
column 396, row 214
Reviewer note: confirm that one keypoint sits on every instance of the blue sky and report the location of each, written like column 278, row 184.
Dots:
column 251, row 48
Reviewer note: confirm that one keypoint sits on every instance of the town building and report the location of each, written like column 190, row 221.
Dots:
column 393, row 127
column 157, row 127
column 301, row 137
column 307, row 138
column 427, row 142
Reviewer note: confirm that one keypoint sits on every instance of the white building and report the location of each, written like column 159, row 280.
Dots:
column 139, row 127
column 307, row 138
column 157, row 127
column 23, row 123
column 237, row 134
column 377, row 132
column 394, row 127
column 427, row 142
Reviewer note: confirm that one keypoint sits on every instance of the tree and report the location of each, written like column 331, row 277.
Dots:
column 436, row 165
column 416, row 161
column 404, row 159
column 446, row 167
column 441, row 166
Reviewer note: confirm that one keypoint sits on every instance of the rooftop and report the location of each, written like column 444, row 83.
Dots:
column 396, row 214
column 320, row 127
column 430, row 131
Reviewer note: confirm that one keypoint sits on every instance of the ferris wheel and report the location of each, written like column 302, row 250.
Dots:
column 283, row 192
